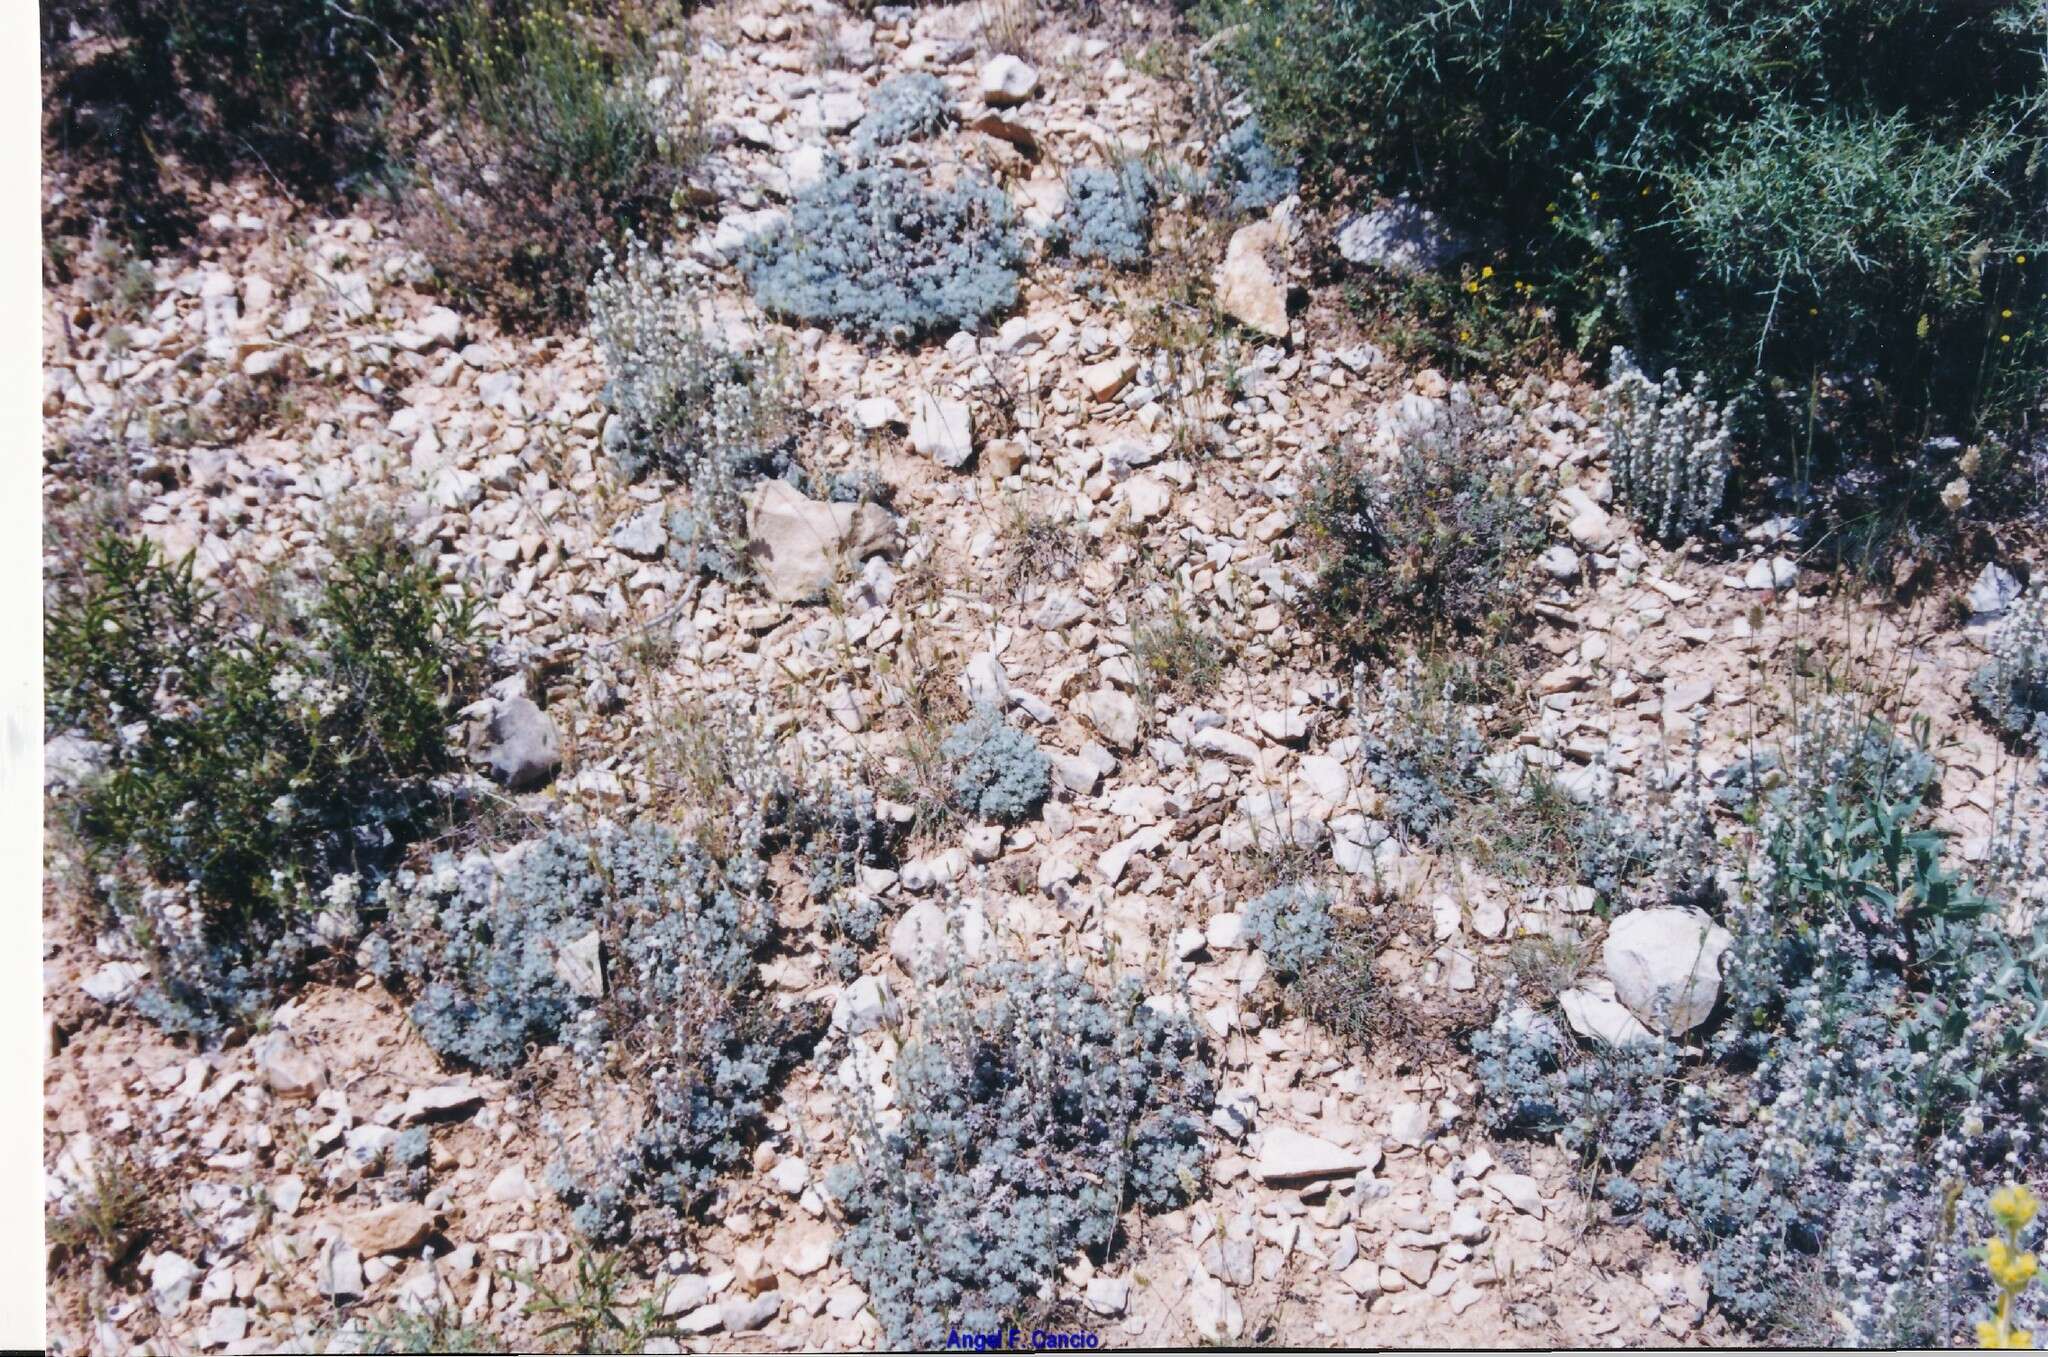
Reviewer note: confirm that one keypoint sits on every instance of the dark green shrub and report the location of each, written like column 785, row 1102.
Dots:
column 257, row 752
column 290, row 87
column 546, row 148
column 1760, row 192
column 1434, row 544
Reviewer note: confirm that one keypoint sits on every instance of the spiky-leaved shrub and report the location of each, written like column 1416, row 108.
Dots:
column 1109, row 214
column 1669, row 448
column 999, row 772
column 637, row 950
column 2011, row 689
column 1031, row 1109
column 259, row 762
column 877, row 253
column 901, row 109
column 713, row 413
column 1839, row 199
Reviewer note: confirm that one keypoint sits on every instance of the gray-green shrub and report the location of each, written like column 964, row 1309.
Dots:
column 1031, row 1110
column 713, row 413
column 637, row 950
column 1109, row 214
column 875, row 252
column 1434, row 544
column 1669, row 448
column 999, row 772
column 901, row 109
column 2011, row 688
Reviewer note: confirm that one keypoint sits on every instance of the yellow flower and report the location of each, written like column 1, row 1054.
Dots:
column 1596, row 195
column 2023, row 259
column 1464, row 335
column 2005, row 339
column 1551, row 208
column 2006, row 314
column 1486, row 271
column 2014, row 1207
column 2011, row 1269
column 1988, row 1336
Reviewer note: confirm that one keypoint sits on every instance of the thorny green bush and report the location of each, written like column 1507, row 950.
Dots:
column 876, row 253
column 260, row 756
column 1881, row 1058
column 1433, row 545
column 634, row 948
column 1773, row 195
column 714, row 413
column 1031, row 1109
column 546, row 146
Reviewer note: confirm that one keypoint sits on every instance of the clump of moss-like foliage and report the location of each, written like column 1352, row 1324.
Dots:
column 1000, row 773
column 637, row 950
column 901, row 109
column 874, row 252
column 1031, row 1110
column 1109, row 214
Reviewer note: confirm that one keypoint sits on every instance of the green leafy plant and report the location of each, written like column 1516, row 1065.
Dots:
column 261, row 755
column 589, row 1314
column 107, row 1214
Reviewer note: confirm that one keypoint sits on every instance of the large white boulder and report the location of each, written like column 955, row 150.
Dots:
column 1666, row 966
